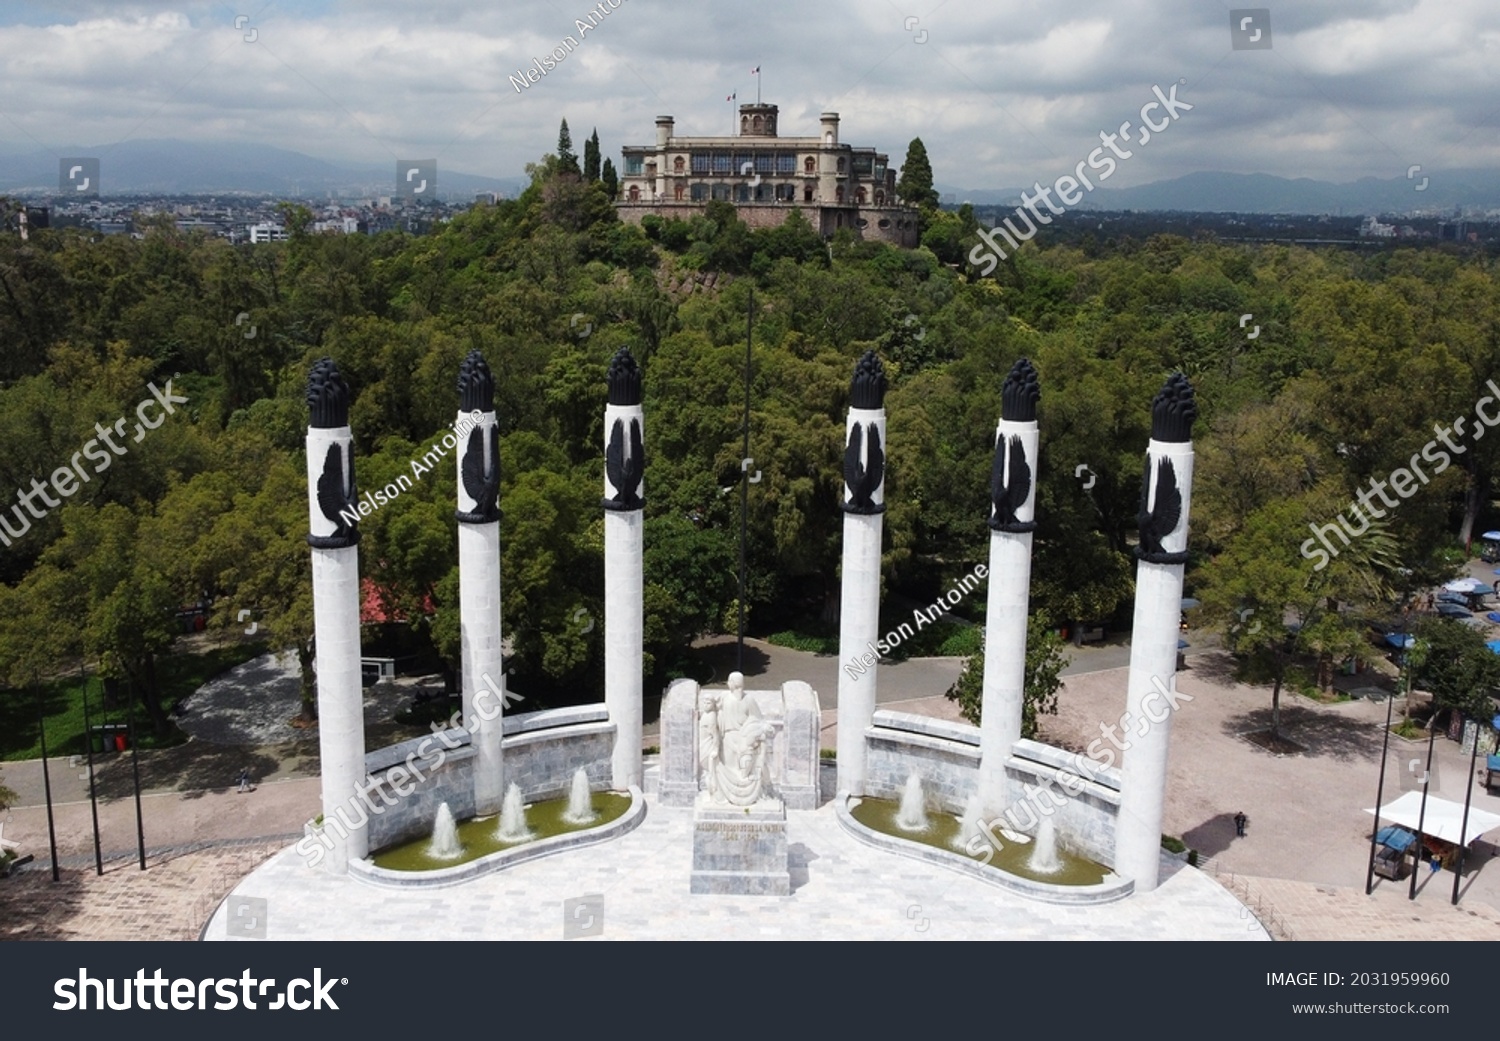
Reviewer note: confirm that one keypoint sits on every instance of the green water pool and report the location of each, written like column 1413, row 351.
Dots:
column 480, row 835
column 942, row 833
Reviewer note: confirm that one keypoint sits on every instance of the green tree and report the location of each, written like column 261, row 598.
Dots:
column 1044, row 664
column 610, row 179
column 1458, row 668
column 591, row 157
column 915, row 183
column 1273, row 603
column 567, row 159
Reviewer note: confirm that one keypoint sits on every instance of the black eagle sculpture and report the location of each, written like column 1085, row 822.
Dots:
column 625, row 471
column 864, row 478
column 1172, row 414
column 337, row 499
column 1161, row 519
column 328, row 408
column 482, row 484
column 1010, row 486
column 1010, row 474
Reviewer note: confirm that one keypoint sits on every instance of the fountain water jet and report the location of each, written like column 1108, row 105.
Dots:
column 1044, row 859
column 970, row 824
column 513, row 817
column 445, row 844
column 913, row 814
column 580, row 801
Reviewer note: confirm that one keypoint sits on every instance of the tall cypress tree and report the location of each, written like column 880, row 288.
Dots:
column 610, row 179
column 567, row 159
column 915, row 183
column 591, row 157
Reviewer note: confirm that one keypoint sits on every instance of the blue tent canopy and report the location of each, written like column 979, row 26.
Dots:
column 1396, row 837
column 1494, row 645
column 1400, row 641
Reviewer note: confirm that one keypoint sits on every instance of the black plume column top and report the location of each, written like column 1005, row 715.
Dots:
column 1173, row 411
column 476, row 385
column 624, row 379
column 1020, row 393
column 868, row 388
column 327, row 396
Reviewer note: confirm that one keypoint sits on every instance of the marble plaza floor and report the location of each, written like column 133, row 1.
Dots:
column 842, row 889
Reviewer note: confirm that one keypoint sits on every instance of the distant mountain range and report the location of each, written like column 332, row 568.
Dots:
column 1215, row 192
column 169, row 167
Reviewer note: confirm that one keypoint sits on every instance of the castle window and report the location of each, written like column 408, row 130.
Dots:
column 808, row 166
column 758, row 124
column 765, row 164
column 786, row 193
column 860, row 195
column 807, row 194
column 838, row 194
column 744, row 123
column 841, row 164
column 884, row 223
column 677, row 165
column 786, row 163
column 635, row 193
column 880, row 198
column 632, row 165
column 722, row 163
column 742, row 193
column 721, row 192
column 677, row 191
column 700, row 162
column 764, row 192
column 700, row 192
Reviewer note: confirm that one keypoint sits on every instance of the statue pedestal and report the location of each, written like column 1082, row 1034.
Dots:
column 740, row 851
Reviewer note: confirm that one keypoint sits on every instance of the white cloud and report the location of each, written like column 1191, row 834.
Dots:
column 1000, row 94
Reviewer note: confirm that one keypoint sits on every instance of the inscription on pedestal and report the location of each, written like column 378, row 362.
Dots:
column 740, row 851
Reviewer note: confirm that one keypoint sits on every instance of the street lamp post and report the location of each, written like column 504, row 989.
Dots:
column 1385, row 747
column 41, row 726
column 1463, row 828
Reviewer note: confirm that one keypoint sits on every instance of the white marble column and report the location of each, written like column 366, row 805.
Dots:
column 859, row 613
column 1150, row 690
column 334, row 535
column 478, row 517
column 1012, row 521
column 624, row 549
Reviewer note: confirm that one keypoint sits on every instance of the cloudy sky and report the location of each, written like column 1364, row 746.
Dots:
column 1002, row 92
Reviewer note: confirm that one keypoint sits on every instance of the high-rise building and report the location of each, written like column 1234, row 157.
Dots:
column 766, row 177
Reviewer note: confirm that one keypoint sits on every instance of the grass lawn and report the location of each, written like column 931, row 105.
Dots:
column 62, row 704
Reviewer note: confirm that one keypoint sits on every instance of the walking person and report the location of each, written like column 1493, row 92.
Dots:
column 245, row 785
column 1239, row 823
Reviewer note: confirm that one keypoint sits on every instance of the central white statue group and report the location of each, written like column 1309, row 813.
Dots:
column 734, row 745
